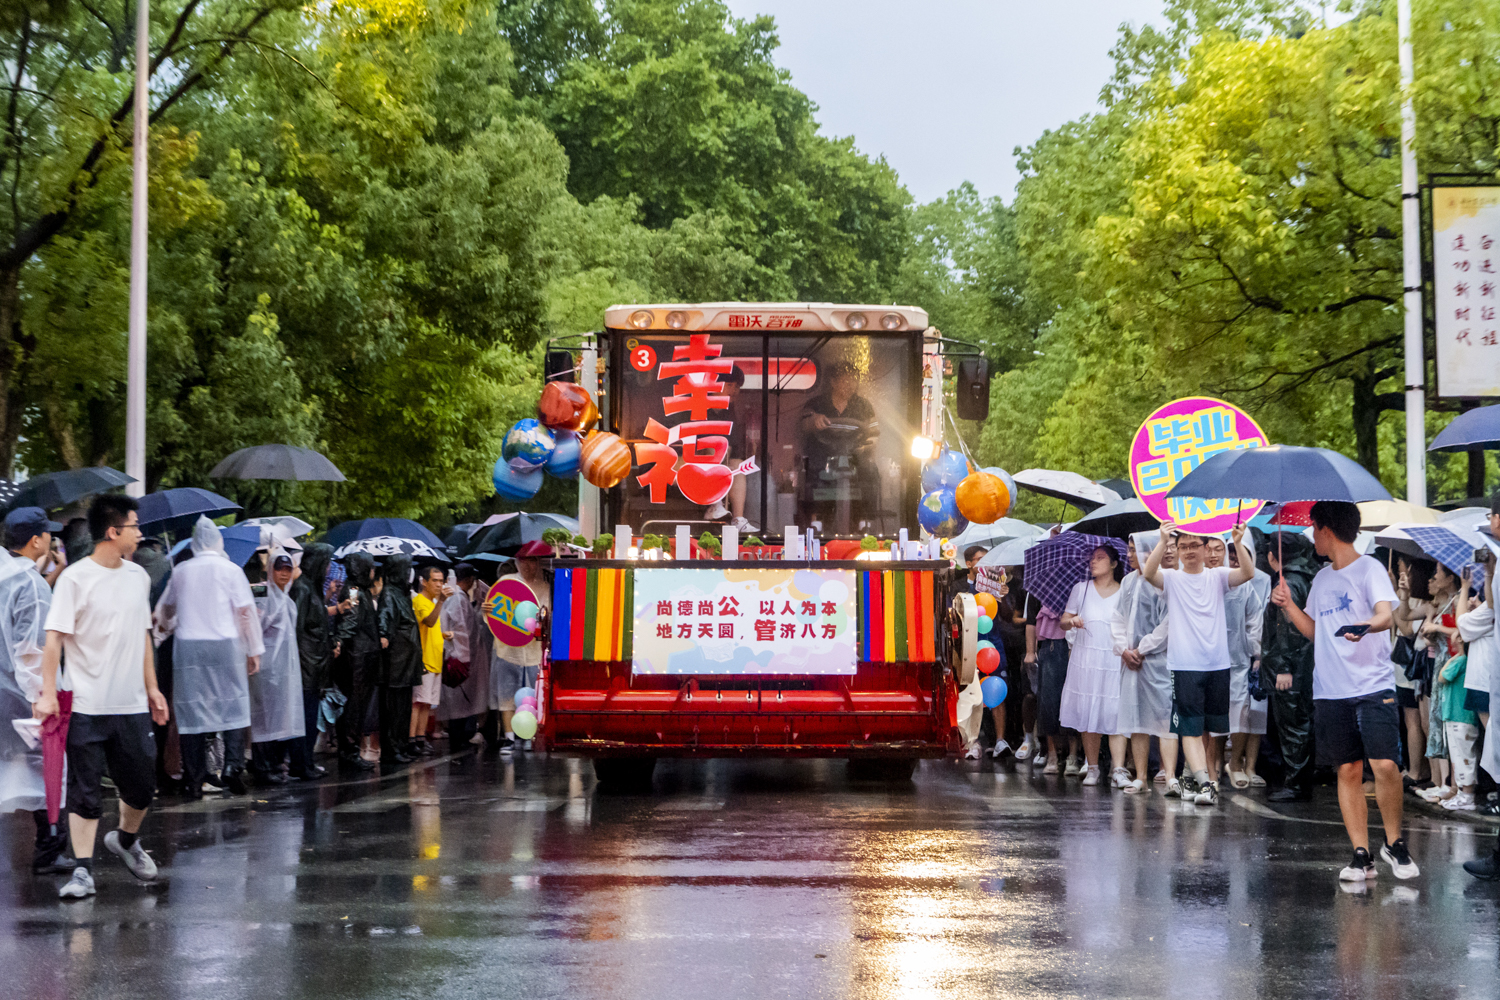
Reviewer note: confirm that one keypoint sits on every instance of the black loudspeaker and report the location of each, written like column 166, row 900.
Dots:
column 560, row 366
column 972, row 394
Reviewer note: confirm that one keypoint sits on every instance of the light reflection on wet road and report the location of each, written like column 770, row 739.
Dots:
column 499, row 878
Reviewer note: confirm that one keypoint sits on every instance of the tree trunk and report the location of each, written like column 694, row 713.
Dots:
column 10, row 404
column 1475, row 487
column 1367, row 410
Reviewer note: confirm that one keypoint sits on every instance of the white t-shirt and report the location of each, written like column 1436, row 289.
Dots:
column 1344, row 669
column 1195, row 619
column 103, row 615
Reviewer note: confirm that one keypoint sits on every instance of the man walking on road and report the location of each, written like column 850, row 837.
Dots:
column 1198, row 650
column 1354, row 697
column 101, row 617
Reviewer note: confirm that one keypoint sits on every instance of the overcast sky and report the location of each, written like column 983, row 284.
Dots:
column 946, row 89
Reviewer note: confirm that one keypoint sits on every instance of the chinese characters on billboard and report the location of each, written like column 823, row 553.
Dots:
column 1465, row 277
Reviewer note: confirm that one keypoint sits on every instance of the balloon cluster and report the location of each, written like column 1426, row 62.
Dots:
column 954, row 493
column 987, row 659
column 523, row 722
column 553, row 442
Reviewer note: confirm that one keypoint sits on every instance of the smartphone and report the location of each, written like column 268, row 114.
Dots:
column 1353, row 630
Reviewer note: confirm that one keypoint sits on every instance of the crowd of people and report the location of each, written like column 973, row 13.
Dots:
column 190, row 674
column 1199, row 644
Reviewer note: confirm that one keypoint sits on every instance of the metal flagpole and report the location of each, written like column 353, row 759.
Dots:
column 135, row 387
column 1411, row 254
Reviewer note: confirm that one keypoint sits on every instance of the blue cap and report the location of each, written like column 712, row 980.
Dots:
column 25, row 523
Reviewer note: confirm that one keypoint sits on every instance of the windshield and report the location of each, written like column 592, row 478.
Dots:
column 827, row 419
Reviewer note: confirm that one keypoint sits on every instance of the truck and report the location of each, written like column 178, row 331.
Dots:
column 789, row 437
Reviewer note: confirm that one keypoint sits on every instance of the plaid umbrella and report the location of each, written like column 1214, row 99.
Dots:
column 1452, row 548
column 1055, row 564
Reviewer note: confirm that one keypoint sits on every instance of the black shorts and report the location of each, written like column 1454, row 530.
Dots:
column 1406, row 698
column 123, row 743
column 1350, row 730
column 1200, row 702
column 1477, row 701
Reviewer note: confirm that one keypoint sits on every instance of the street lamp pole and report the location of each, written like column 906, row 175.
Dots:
column 135, row 386
column 1411, row 270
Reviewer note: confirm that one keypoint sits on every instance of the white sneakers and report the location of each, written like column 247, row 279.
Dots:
column 1091, row 774
column 79, row 886
column 1361, row 869
column 134, row 856
column 717, row 511
column 1397, row 856
column 1119, row 777
column 1462, row 802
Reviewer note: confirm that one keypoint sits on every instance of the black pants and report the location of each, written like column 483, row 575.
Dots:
column 1292, row 711
column 1052, row 674
column 395, row 721
column 51, row 843
column 267, row 757
column 360, row 690
column 301, row 751
column 195, row 756
column 461, row 731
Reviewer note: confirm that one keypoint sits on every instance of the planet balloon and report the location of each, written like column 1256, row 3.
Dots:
column 938, row 514
column 564, row 460
column 523, row 724
column 528, row 445
column 565, row 406
column 982, row 498
column 991, row 688
column 985, row 624
column 605, row 459
column 988, row 660
column 987, row 604
column 946, row 468
column 515, row 486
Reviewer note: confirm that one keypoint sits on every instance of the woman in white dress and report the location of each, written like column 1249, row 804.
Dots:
column 1091, row 694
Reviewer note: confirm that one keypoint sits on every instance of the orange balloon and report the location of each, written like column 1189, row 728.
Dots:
column 988, row 606
column 982, row 497
column 605, row 460
column 566, row 406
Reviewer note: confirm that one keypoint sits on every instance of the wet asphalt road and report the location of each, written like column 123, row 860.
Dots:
column 486, row 877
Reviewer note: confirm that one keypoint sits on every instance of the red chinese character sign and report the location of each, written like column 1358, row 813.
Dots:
column 1172, row 442
column 691, row 455
column 1466, row 286
column 744, row 621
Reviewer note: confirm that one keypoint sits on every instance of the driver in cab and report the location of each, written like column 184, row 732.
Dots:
column 839, row 433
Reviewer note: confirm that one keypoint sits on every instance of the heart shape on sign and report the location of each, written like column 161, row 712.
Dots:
column 704, row 484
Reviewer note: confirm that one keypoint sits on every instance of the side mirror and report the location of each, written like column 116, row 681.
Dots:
column 972, row 394
column 559, row 366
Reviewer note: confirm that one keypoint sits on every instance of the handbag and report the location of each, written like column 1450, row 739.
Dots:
column 455, row 672
column 1404, row 652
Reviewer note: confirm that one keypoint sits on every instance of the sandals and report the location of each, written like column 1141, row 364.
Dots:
column 1239, row 779
column 1256, row 781
column 1136, row 787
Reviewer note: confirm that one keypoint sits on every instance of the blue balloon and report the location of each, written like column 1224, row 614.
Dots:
column 983, row 644
column 515, row 486
column 946, row 469
column 993, row 690
column 985, row 624
column 938, row 514
column 1008, row 480
column 528, row 445
column 525, row 693
column 565, row 457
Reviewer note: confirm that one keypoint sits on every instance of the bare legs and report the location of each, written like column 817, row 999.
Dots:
column 82, row 831
column 1416, row 742
column 1356, row 811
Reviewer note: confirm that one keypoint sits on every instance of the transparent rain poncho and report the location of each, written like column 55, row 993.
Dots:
column 1140, row 623
column 276, row 689
column 209, row 610
column 24, row 600
column 471, row 643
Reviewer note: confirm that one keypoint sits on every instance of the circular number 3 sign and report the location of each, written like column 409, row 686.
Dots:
column 642, row 358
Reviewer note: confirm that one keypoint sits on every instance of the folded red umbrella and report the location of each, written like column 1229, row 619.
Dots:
column 55, row 753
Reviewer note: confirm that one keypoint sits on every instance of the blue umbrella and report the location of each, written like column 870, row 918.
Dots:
column 240, row 543
column 1281, row 473
column 376, row 527
column 178, row 509
column 1478, row 428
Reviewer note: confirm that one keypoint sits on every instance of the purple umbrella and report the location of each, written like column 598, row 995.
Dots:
column 1054, row 565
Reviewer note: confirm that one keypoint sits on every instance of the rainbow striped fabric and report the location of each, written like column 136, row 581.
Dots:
column 896, row 617
column 591, row 614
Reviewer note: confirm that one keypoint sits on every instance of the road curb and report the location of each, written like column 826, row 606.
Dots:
column 1415, row 803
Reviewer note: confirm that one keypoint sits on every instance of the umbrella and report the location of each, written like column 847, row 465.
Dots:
column 54, row 753
column 1085, row 494
column 1280, row 473
column 1298, row 513
column 1011, row 553
column 1054, row 565
column 1120, row 486
column 376, row 527
column 177, row 510
column 990, row 535
column 1120, row 519
column 1477, row 429
column 277, row 461
column 58, row 489
column 285, row 525
column 8, row 492
column 458, row 534
column 389, row 545
column 1448, row 544
column 1376, row 514
column 508, row 535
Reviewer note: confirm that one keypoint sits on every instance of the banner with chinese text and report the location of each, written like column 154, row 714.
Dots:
column 744, row 621
column 1170, row 444
column 1466, row 287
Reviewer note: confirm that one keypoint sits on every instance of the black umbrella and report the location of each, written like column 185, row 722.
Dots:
column 459, row 534
column 1120, row 486
column 8, row 492
column 505, row 537
column 58, row 489
column 277, row 461
column 376, row 527
column 1120, row 519
column 176, row 510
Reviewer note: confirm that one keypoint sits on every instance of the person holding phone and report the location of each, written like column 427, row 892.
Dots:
column 1354, row 694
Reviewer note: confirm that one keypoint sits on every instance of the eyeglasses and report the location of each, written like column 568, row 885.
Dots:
column 1189, row 545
